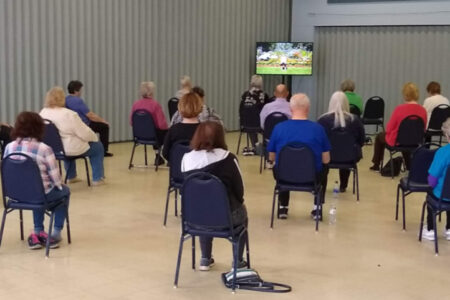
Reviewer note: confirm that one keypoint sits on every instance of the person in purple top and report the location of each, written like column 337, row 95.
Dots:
column 94, row 121
column 279, row 105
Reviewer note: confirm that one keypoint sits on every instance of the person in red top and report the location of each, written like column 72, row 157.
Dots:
column 410, row 107
column 154, row 108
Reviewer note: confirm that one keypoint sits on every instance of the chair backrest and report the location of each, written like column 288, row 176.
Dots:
column 296, row 164
column 421, row 161
column 53, row 139
column 143, row 126
column 446, row 187
column 17, row 169
column 374, row 108
column 271, row 121
column 438, row 116
column 205, row 202
column 410, row 132
column 343, row 146
column 176, row 156
column 173, row 106
column 249, row 117
column 355, row 110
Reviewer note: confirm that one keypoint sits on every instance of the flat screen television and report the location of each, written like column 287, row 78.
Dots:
column 284, row 58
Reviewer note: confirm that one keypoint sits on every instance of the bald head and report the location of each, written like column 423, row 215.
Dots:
column 281, row 91
column 299, row 105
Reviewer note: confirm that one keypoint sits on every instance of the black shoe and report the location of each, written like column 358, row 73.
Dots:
column 108, row 154
column 282, row 213
column 159, row 161
column 313, row 214
column 242, row 264
column 342, row 189
column 374, row 168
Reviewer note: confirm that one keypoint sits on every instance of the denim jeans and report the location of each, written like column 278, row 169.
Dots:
column 95, row 154
column 60, row 213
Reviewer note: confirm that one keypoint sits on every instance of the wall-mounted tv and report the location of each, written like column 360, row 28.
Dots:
column 286, row 58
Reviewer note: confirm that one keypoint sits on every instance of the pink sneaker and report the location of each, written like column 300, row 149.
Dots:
column 34, row 242
column 43, row 236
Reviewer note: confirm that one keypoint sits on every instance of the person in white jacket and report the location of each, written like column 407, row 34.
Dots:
column 77, row 137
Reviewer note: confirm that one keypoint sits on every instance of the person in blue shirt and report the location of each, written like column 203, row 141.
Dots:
column 300, row 129
column 94, row 121
column 436, row 178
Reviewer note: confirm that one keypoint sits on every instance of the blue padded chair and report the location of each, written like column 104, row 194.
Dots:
column 16, row 169
column 176, row 177
column 438, row 116
column 249, row 122
column 345, row 154
column 53, row 139
column 296, row 171
column 409, row 137
column 269, row 124
column 172, row 105
column 206, row 212
column 144, row 133
column 437, row 205
column 417, row 179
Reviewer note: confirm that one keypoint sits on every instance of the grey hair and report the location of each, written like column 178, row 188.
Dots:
column 347, row 85
column 299, row 101
column 185, row 81
column 446, row 127
column 256, row 82
column 147, row 89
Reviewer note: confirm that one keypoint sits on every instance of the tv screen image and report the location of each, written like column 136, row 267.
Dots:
column 284, row 58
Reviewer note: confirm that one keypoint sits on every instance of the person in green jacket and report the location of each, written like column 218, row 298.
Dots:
column 348, row 87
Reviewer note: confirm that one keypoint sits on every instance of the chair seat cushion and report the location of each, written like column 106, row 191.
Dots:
column 342, row 165
column 199, row 230
column 414, row 186
column 146, row 142
column 401, row 148
column 434, row 203
column 372, row 121
column 251, row 129
column 286, row 186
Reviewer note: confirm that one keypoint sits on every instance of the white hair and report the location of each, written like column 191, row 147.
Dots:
column 147, row 89
column 340, row 108
column 256, row 82
column 299, row 101
column 446, row 127
column 185, row 82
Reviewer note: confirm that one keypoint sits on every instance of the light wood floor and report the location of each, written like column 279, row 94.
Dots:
column 120, row 249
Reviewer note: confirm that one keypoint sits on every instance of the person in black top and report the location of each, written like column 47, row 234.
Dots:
column 189, row 106
column 253, row 98
column 339, row 116
column 5, row 135
column 210, row 154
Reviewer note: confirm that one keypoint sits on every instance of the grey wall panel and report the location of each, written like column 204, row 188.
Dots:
column 381, row 59
column 113, row 45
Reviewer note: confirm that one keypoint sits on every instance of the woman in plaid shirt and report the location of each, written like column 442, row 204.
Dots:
column 27, row 135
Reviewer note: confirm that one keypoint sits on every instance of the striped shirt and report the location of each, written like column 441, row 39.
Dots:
column 44, row 157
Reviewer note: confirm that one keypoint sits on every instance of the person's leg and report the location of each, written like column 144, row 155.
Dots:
column 407, row 158
column 60, row 213
column 239, row 216
column 160, row 135
column 344, row 175
column 253, row 139
column 96, row 154
column 283, row 199
column 206, row 246
column 103, row 130
column 71, row 169
column 323, row 180
column 378, row 150
column 429, row 219
column 38, row 220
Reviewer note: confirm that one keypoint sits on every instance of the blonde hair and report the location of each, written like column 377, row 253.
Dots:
column 147, row 89
column 185, row 82
column 340, row 108
column 256, row 82
column 347, row 85
column 55, row 97
column 446, row 127
column 190, row 105
column 410, row 92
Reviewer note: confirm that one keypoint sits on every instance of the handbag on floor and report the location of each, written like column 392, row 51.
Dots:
column 248, row 279
column 386, row 170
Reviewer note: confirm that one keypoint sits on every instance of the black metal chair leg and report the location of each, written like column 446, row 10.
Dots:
column 176, row 202
column 357, row 183
column 239, row 143
column 392, row 165
column 177, row 270
column 235, row 265
column 60, row 169
column 167, row 206
column 275, row 192
column 396, row 203
column 5, row 212
column 261, row 162
column 145, row 155
column 69, row 239
column 436, row 250
column 87, row 171
column 50, row 227
column 421, row 220
column 247, row 248
column 193, row 252
column 158, row 158
column 318, row 210
column 354, row 181
column 132, row 155
column 21, row 224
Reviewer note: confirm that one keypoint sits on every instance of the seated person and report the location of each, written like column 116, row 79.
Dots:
column 348, row 87
column 189, row 106
column 5, row 135
column 339, row 116
column 207, row 113
column 436, row 178
column 253, row 98
column 434, row 98
column 410, row 107
column 185, row 86
column 300, row 129
column 280, row 104
column 210, row 154
column 27, row 135
column 77, row 137
column 155, row 110
column 94, row 121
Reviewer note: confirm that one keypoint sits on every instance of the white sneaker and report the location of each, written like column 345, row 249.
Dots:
column 269, row 165
column 447, row 234
column 428, row 234
column 98, row 183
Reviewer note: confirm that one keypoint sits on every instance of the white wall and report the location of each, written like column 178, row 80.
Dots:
column 306, row 14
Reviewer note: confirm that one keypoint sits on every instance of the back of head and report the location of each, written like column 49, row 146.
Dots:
column 281, row 91
column 434, row 88
column 410, row 92
column 199, row 91
column 348, row 85
column 256, row 82
column 74, row 86
column 300, row 102
column 190, row 105
column 185, row 82
column 208, row 136
column 55, row 97
column 147, row 89
column 339, row 106
column 28, row 125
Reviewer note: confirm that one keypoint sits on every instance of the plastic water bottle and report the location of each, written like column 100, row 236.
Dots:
column 333, row 204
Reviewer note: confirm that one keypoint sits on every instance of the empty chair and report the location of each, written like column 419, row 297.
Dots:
column 176, row 177
column 249, row 124
column 296, row 171
column 53, row 139
column 172, row 106
column 416, row 181
column 269, row 124
column 374, row 112
column 438, row 116
column 206, row 212
column 144, row 133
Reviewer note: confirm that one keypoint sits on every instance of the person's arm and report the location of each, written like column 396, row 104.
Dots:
column 80, row 129
column 393, row 122
column 271, row 147
column 326, row 157
column 437, row 168
column 236, row 180
column 52, row 167
column 272, row 156
column 95, row 118
column 262, row 116
column 432, row 181
column 167, row 145
column 160, row 118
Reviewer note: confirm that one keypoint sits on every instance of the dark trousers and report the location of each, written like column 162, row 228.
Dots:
column 430, row 219
column 378, row 151
column 283, row 197
column 103, row 130
column 253, row 138
column 344, row 175
column 160, row 135
column 239, row 217
column 5, row 136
